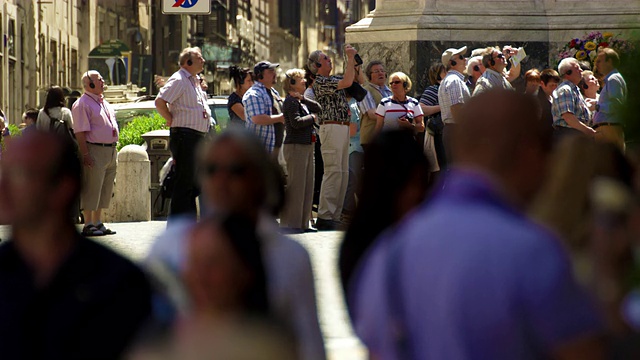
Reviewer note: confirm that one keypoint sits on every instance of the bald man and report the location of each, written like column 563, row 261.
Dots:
column 468, row 274
column 96, row 129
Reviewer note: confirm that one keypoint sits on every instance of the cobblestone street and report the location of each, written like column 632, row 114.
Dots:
column 134, row 240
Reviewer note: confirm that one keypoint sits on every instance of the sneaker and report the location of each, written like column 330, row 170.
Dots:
column 310, row 230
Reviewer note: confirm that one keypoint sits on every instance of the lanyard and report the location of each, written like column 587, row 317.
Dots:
column 103, row 108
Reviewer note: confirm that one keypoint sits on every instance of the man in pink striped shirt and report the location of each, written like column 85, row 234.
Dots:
column 96, row 129
column 183, row 104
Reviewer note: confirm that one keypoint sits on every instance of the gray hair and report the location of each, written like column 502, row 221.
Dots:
column 566, row 64
column 187, row 54
column 314, row 58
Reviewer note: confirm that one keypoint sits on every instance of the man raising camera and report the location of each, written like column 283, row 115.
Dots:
column 334, row 134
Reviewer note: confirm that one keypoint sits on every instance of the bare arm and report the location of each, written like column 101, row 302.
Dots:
column 163, row 110
column 513, row 73
column 238, row 109
column 419, row 123
column 360, row 75
column 350, row 71
column 430, row 110
column 573, row 121
column 87, row 160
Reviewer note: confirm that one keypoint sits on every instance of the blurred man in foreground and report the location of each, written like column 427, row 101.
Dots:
column 62, row 296
column 470, row 276
column 238, row 177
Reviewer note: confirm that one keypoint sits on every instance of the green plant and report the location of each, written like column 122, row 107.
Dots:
column 14, row 130
column 132, row 131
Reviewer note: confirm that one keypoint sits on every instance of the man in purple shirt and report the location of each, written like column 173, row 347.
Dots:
column 189, row 118
column 96, row 129
column 468, row 275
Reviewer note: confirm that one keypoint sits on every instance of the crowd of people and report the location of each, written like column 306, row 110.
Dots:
column 481, row 221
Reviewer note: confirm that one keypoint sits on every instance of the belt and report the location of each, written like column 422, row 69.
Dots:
column 334, row 123
column 595, row 126
column 103, row 145
column 186, row 130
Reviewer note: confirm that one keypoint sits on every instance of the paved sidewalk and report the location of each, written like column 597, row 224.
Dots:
column 134, row 240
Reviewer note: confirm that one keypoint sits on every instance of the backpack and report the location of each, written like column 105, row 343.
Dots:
column 59, row 127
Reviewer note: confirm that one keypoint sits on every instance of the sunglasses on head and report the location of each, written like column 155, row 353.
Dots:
column 234, row 169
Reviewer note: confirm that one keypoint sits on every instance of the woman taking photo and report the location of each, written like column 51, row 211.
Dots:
column 399, row 111
column 298, row 152
column 243, row 80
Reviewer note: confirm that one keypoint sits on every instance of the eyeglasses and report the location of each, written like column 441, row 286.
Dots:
column 379, row 72
column 396, row 82
column 235, row 169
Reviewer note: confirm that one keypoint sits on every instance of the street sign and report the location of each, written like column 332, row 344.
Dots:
column 186, row 7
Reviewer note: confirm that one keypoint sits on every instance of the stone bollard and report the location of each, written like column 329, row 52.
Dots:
column 131, row 201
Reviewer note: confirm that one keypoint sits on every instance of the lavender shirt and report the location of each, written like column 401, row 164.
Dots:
column 94, row 116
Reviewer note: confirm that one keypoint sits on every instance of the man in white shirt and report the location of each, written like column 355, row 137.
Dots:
column 452, row 93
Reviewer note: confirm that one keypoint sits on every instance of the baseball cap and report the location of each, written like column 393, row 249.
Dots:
column 449, row 53
column 264, row 65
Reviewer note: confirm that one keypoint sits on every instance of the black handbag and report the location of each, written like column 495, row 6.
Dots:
column 356, row 91
column 435, row 124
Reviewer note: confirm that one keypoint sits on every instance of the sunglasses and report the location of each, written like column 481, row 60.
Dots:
column 396, row 82
column 235, row 170
column 499, row 56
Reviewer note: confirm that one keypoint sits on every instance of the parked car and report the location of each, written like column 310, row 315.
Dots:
column 125, row 112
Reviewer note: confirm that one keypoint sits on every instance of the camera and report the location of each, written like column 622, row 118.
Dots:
column 358, row 59
column 408, row 117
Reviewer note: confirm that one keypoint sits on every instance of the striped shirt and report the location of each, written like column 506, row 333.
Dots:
column 430, row 95
column 187, row 101
column 491, row 79
column 257, row 101
column 568, row 99
column 452, row 91
column 391, row 110
column 369, row 103
column 94, row 116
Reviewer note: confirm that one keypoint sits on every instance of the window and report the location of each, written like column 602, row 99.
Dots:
column 53, row 69
column 74, row 68
column 11, row 37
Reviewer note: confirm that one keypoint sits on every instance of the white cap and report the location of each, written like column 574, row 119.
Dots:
column 449, row 53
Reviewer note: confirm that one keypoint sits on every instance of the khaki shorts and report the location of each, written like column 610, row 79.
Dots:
column 98, row 180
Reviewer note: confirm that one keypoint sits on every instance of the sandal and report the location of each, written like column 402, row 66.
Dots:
column 104, row 229
column 91, row 230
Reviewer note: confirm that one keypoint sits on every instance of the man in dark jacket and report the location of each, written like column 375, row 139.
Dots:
column 62, row 296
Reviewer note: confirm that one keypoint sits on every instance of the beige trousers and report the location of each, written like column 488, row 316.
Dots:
column 334, row 140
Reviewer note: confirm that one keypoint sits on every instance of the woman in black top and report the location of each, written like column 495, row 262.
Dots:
column 243, row 80
column 298, row 152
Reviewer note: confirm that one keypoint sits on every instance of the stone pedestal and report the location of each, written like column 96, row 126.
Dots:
column 410, row 35
column 131, row 201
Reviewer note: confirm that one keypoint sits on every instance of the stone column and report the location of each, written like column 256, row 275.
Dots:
column 410, row 35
